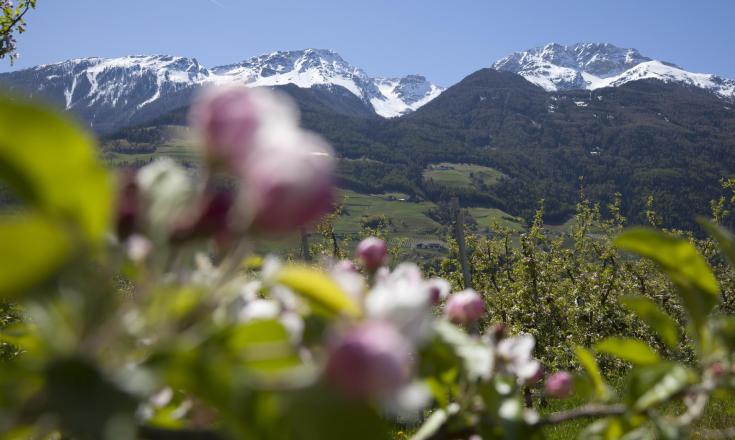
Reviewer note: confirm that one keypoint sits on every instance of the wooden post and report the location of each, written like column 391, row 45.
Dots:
column 459, row 236
column 305, row 245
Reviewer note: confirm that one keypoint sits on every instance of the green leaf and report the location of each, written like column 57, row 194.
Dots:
column 682, row 263
column 263, row 345
column 53, row 167
column 654, row 384
column 88, row 404
column 319, row 289
column 631, row 350
column 588, row 362
column 660, row 322
column 33, row 248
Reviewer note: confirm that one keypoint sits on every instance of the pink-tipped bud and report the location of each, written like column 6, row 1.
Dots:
column 373, row 360
column 227, row 119
column 289, row 185
column 372, row 253
column 559, row 385
column 234, row 120
column 465, row 307
column 717, row 369
column 439, row 290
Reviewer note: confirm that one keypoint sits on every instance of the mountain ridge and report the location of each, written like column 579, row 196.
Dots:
column 591, row 66
column 113, row 92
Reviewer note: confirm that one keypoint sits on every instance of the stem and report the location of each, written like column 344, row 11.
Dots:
column 587, row 411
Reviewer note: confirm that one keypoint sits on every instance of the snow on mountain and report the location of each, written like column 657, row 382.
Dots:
column 399, row 96
column 112, row 92
column 307, row 68
column 595, row 65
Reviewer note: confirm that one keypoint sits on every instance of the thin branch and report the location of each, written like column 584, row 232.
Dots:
column 583, row 412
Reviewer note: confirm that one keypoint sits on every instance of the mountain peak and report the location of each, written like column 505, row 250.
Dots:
column 594, row 65
column 323, row 67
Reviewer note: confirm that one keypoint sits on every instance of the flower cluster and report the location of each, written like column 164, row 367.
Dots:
column 283, row 175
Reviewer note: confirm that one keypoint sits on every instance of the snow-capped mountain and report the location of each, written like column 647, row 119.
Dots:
column 595, row 65
column 307, row 68
column 109, row 93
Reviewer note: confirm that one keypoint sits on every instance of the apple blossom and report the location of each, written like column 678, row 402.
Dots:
column 465, row 307
column 559, row 385
column 288, row 185
column 372, row 252
column 403, row 298
column 230, row 120
column 372, row 360
column 516, row 356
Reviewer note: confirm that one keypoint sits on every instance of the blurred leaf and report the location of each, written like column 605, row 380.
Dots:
column 319, row 289
column 89, row 406
column 654, row 384
column 432, row 425
column 320, row 413
column 682, row 263
column 53, row 167
column 647, row 310
column 631, row 350
column 603, row 429
column 724, row 239
column 588, row 362
column 263, row 345
column 33, row 248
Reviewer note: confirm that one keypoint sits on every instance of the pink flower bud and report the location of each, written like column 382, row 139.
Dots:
column 289, row 185
column 439, row 290
column 717, row 369
column 465, row 307
column 372, row 252
column 373, row 360
column 559, row 385
column 227, row 119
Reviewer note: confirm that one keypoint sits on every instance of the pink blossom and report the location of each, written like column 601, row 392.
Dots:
column 288, row 185
column 372, row 360
column 465, row 307
column 559, row 385
column 372, row 252
column 232, row 120
column 516, row 357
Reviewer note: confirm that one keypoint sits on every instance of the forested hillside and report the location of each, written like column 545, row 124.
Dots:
column 645, row 138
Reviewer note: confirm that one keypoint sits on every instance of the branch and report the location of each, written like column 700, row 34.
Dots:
column 587, row 411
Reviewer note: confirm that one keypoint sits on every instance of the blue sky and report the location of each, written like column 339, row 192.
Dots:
column 444, row 40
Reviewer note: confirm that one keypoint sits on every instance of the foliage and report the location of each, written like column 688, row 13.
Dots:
column 11, row 22
column 169, row 327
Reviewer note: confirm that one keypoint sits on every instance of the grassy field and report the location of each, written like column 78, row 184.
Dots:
column 461, row 175
column 488, row 217
column 405, row 218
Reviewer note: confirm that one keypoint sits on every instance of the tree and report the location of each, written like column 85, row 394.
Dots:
column 12, row 23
